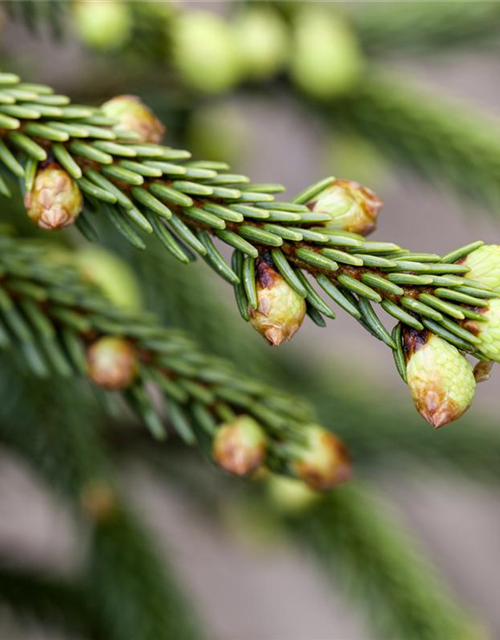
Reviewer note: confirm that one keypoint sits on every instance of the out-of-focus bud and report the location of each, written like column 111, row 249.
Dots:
column 291, row 496
column 55, row 201
column 219, row 130
column 102, row 25
column 488, row 330
column 352, row 206
column 322, row 462
column 98, row 501
column 112, row 275
column 132, row 114
column 205, row 51
column 326, row 59
column 280, row 310
column 240, row 446
column 440, row 379
column 263, row 41
column 484, row 265
column 112, row 363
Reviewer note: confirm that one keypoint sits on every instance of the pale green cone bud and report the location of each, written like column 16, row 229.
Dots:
column 440, row 379
column 240, row 446
column 133, row 115
column 352, row 206
column 112, row 363
column 55, row 201
column 102, row 24
column 322, row 462
column 484, row 265
column 280, row 310
column 112, row 275
column 205, row 51
column 263, row 41
column 291, row 496
column 488, row 330
column 326, row 58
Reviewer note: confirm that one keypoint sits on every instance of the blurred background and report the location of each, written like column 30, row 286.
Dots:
column 401, row 96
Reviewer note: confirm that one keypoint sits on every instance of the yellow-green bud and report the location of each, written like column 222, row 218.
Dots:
column 263, row 41
column 322, row 462
column 440, row 379
column 205, row 51
column 488, row 330
column 484, row 265
column 102, row 24
column 291, row 496
column 112, row 363
column 326, row 60
column 55, row 200
column 112, row 275
column 132, row 114
column 219, row 130
column 352, row 206
column 280, row 310
column 240, row 446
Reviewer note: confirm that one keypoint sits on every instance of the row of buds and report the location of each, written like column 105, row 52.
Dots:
column 320, row 460
column 280, row 309
column 442, row 382
column 240, row 446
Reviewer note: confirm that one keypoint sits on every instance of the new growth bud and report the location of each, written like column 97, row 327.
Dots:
column 440, row 379
column 112, row 363
column 205, row 51
column 111, row 274
column 240, row 446
column 102, row 25
column 352, row 206
column 133, row 115
column 291, row 496
column 280, row 310
column 488, row 330
column 322, row 462
column 484, row 265
column 263, row 41
column 55, row 201
column 326, row 59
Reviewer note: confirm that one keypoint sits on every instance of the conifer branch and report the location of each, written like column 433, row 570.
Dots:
column 64, row 326
column 392, row 27
column 140, row 186
column 371, row 429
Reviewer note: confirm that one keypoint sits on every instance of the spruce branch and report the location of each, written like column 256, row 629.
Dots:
column 371, row 430
column 392, row 27
column 60, row 151
column 63, row 326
